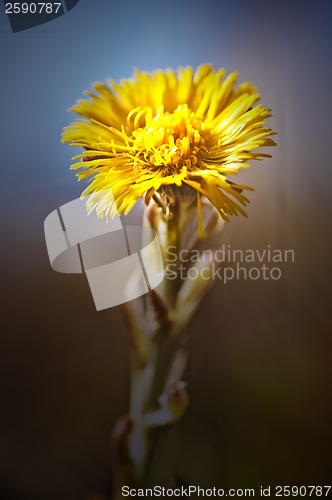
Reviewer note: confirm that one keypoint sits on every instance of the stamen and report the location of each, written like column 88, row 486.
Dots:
column 171, row 140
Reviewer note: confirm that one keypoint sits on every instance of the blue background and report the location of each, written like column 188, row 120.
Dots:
column 260, row 373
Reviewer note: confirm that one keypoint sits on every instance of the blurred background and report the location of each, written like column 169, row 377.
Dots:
column 260, row 367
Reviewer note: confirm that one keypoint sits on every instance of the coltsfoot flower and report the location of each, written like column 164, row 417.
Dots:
column 168, row 131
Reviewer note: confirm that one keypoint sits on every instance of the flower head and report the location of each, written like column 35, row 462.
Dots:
column 165, row 129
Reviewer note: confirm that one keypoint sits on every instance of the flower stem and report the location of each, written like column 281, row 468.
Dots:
column 158, row 344
column 150, row 373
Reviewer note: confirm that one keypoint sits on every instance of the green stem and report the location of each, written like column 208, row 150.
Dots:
column 148, row 381
column 149, row 378
column 158, row 345
column 172, row 229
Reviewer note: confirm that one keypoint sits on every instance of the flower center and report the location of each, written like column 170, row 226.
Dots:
column 172, row 140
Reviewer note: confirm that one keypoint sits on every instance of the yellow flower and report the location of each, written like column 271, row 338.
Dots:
column 162, row 129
